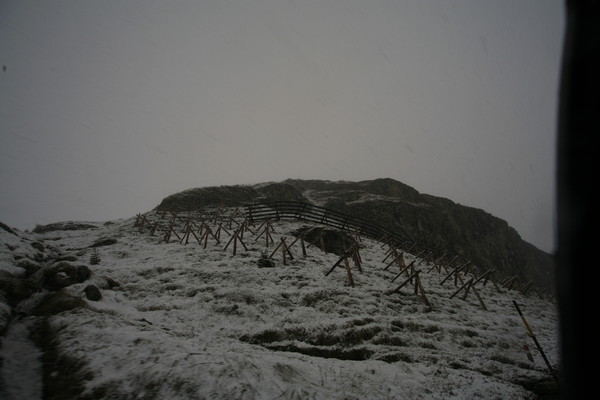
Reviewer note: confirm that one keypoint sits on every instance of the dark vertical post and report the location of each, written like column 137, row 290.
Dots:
column 578, row 130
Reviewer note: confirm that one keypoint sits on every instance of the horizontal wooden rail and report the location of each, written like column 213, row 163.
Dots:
column 310, row 212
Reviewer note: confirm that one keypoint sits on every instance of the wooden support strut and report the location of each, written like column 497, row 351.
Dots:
column 357, row 258
column 407, row 280
column 436, row 263
column 508, row 283
column 394, row 260
column 392, row 252
column 451, row 262
column 267, row 233
column 465, row 286
column 403, row 270
column 454, row 271
column 468, row 286
column 420, row 288
column 301, row 238
column 419, row 253
column 207, row 232
column 235, row 238
column 189, row 231
column 284, row 249
column 347, row 265
column 348, row 252
column 424, row 258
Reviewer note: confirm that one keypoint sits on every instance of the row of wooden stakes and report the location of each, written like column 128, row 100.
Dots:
column 196, row 229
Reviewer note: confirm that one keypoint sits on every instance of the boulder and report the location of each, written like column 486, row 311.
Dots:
column 334, row 240
column 56, row 302
column 92, row 293
column 62, row 274
column 264, row 262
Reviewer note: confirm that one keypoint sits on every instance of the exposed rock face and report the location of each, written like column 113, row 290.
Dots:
column 229, row 196
column 63, row 226
column 434, row 222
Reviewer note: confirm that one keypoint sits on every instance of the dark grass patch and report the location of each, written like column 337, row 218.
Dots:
column 396, row 357
column 399, row 326
column 353, row 354
column 388, row 340
column 457, row 365
column 313, row 298
column 503, row 359
column 325, row 336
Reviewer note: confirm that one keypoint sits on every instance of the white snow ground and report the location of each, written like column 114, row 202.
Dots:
column 194, row 323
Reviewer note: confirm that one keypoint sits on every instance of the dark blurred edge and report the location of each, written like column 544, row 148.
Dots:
column 577, row 177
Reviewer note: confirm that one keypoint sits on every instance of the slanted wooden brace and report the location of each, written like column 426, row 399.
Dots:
column 350, row 252
column 208, row 232
column 418, row 285
column 189, row 230
column 285, row 250
column 470, row 286
column 301, row 239
column 235, row 239
column 268, row 228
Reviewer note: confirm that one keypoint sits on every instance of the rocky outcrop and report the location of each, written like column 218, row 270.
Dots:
column 433, row 222
column 37, row 278
column 436, row 223
column 229, row 196
column 60, row 275
column 63, row 226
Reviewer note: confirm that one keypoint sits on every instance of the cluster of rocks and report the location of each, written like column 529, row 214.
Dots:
column 47, row 281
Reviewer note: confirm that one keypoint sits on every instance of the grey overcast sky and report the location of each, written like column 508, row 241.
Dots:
column 108, row 106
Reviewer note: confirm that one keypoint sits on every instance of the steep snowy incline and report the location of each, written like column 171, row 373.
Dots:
column 188, row 322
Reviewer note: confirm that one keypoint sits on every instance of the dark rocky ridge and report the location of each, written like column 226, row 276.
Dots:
column 434, row 222
column 229, row 196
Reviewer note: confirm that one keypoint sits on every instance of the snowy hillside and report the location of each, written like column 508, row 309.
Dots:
column 195, row 321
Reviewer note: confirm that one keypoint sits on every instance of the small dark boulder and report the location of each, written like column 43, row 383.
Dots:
column 265, row 263
column 92, row 293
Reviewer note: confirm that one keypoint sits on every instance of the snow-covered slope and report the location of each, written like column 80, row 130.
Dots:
column 188, row 322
